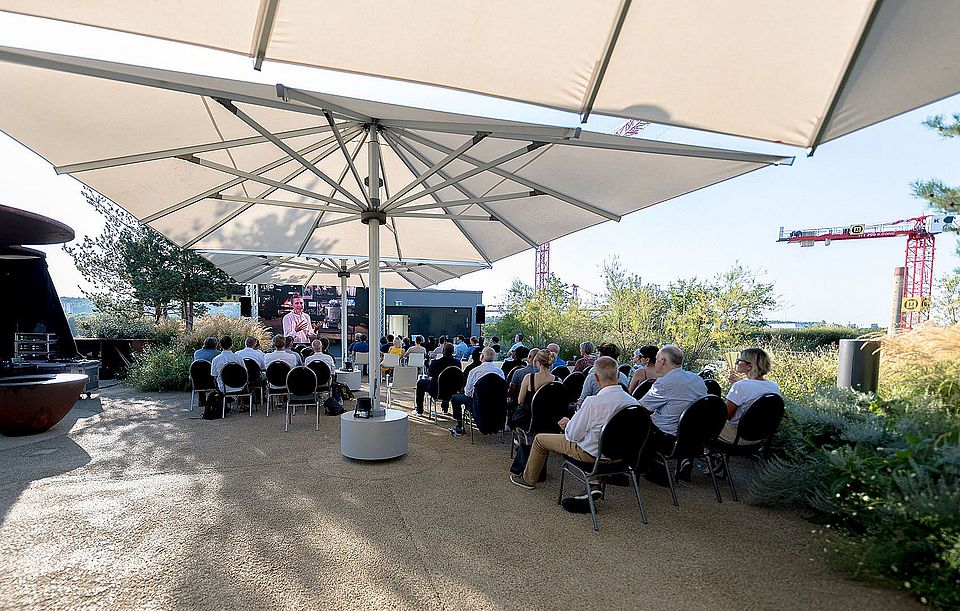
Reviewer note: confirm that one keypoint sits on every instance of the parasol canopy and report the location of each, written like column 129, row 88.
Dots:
column 801, row 73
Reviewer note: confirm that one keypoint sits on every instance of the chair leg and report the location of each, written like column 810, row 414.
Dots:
column 250, row 399
column 636, row 490
column 563, row 471
column 224, row 405
column 673, row 488
column 193, row 394
column 593, row 506
column 513, row 442
column 286, row 420
column 716, row 487
column 733, row 488
column 317, row 405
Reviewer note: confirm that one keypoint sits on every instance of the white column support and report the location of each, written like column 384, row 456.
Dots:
column 373, row 218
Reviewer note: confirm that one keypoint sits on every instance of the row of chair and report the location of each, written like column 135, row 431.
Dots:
column 300, row 385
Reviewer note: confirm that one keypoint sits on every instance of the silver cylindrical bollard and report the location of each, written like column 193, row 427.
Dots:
column 859, row 366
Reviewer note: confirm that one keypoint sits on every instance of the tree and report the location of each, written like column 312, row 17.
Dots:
column 937, row 194
column 137, row 271
column 946, row 299
column 632, row 313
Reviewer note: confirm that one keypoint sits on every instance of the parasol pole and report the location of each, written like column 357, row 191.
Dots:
column 344, row 274
column 373, row 218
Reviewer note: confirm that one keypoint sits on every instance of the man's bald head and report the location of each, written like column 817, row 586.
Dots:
column 554, row 348
column 487, row 355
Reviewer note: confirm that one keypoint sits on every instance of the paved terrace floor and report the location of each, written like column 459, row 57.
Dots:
column 129, row 503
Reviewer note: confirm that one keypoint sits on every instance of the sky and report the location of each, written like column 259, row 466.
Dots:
column 861, row 178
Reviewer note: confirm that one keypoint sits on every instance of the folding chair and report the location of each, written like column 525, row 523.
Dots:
column 643, row 387
column 713, row 387
column 757, row 426
column 403, row 378
column 561, row 372
column 489, row 413
column 276, row 380
column 388, row 361
column 255, row 377
column 200, row 380
column 548, row 406
column 622, row 440
column 324, row 376
column 418, row 360
column 449, row 382
column 699, row 426
column 234, row 376
column 301, row 386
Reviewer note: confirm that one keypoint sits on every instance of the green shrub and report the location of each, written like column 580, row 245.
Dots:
column 160, row 368
column 809, row 339
column 107, row 326
column 884, row 477
column 167, row 331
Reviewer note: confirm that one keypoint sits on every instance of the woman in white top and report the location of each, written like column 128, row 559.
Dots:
column 748, row 386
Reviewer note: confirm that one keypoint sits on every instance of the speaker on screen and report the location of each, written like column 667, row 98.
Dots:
column 481, row 314
column 246, row 307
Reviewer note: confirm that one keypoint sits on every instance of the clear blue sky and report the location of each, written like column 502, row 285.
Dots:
column 862, row 178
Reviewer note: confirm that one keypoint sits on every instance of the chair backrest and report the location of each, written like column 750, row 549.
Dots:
column 253, row 370
column 561, row 372
column 322, row 371
column 390, row 360
column 306, row 352
column 761, row 419
column 200, row 377
column 549, row 405
column 574, row 384
column 277, row 373
column 699, row 424
column 449, row 381
column 404, row 377
column 624, row 436
column 301, row 381
column 416, row 359
column 509, row 366
column 713, row 387
column 490, row 399
column 234, row 375
column 643, row 387
column 624, row 369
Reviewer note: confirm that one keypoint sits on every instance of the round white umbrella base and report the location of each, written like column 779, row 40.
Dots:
column 377, row 438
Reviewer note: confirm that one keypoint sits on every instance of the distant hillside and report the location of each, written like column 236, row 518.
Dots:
column 73, row 306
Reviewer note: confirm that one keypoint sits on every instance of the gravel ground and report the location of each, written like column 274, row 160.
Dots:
column 130, row 503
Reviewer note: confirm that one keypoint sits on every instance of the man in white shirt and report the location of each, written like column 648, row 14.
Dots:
column 580, row 439
column 320, row 355
column 280, row 354
column 226, row 356
column 486, row 367
column 296, row 324
column 252, row 351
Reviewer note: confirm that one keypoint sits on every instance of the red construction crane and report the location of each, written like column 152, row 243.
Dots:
column 918, row 260
column 541, row 262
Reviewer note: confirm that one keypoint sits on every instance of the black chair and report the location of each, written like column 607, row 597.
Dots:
column 561, row 372
column 302, row 390
column 305, row 352
column 713, row 387
column 757, row 426
column 200, row 379
column 490, row 405
column 449, row 382
column 622, row 440
column 508, row 367
column 548, row 406
column 574, row 384
column 255, row 378
column 324, row 375
column 234, row 378
column 625, row 370
column 276, row 380
column 643, row 387
column 699, row 426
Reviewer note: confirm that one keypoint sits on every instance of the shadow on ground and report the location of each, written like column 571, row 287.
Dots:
column 179, row 513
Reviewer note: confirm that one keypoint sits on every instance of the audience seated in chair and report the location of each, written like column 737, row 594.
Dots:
column 672, row 392
column 465, row 400
column 581, row 434
column 252, row 351
column 208, row 352
column 748, row 386
column 590, row 384
column 516, row 376
column 586, row 357
column 227, row 355
column 429, row 385
column 645, row 368
column 320, row 354
column 280, row 353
